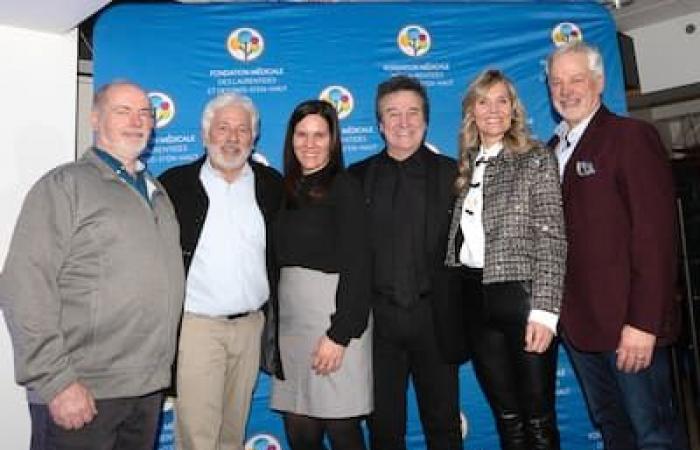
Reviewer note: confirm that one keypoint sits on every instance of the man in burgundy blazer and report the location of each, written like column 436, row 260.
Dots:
column 618, row 313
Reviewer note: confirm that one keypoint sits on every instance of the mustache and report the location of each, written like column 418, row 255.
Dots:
column 229, row 145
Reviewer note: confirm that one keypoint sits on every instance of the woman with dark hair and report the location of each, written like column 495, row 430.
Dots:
column 324, row 289
column 507, row 239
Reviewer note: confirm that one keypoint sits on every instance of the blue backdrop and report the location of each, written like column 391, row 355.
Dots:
column 282, row 53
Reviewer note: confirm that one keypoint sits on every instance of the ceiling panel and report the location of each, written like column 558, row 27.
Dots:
column 56, row 16
column 640, row 13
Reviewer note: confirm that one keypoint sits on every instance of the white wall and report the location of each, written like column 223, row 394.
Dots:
column 667, row 56
column 84, row 104
column 37, row 124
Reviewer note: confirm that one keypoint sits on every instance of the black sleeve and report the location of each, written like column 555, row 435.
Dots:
column 166, row 179
column 353, row 257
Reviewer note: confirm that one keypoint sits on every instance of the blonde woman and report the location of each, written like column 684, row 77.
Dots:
column 507, row 238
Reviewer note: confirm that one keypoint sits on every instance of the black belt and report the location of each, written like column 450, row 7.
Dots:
column 236, row 316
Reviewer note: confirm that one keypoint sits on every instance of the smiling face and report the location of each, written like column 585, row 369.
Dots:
column 493, row 113
column 311, row 142
column 402, row 122
column 574, row 87
column 122, row 121
column 230, row 140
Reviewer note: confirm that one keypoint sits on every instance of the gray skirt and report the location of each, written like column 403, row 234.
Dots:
column 307, row 300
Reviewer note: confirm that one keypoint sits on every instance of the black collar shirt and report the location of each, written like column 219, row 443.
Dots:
column 398, row 227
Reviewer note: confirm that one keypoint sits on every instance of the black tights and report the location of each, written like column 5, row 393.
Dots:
column 306, row 433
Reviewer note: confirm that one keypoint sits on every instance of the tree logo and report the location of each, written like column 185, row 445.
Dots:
column 566, row 32
column 245, row 44
column 413, row 40
column 163, row 108
column 263, row 442
column 340, row 98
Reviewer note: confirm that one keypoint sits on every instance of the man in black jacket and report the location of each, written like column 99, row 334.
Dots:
column 225, row 204
column 408, row 191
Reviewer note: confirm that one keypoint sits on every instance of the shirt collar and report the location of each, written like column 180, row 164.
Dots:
column 417, row 159
column 208, row 172
column 117, row 166
column 490, row 152
column 572, row 135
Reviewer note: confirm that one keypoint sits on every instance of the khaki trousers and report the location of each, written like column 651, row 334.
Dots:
column 217, row 367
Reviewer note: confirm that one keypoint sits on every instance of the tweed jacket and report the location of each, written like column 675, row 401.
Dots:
column 523, row 225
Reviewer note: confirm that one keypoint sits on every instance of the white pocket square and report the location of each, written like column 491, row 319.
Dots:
column 585, row 168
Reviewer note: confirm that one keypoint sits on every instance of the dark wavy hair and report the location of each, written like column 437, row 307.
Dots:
column 401, row 83
column 292, row 168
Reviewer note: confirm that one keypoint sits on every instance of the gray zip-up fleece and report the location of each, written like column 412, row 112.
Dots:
column 93, row 284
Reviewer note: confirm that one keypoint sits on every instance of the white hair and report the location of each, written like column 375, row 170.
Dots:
column 230, row 99
column 595, row 59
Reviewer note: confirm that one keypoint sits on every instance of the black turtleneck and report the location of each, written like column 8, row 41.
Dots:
column 329, row 233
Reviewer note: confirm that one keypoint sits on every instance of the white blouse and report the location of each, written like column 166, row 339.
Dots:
column 472, row 252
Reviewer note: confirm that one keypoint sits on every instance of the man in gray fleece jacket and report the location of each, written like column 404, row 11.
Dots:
column 93, row 288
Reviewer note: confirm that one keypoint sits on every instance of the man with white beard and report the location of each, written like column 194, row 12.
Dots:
column 225, row 204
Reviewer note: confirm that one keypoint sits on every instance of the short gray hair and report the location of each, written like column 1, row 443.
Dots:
column 595, row 59
column 230, row 99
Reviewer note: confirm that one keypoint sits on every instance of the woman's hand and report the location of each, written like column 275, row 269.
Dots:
column 537, row 337
column 327, row 356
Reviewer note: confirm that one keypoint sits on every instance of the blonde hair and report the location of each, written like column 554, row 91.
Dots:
column 517, row 138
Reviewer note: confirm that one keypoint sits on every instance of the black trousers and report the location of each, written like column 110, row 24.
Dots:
column 404, row 346
column 120, row 424
column 518, row 385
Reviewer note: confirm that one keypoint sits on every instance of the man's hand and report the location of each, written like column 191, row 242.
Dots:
column 73, row 407
column 635, row 350
column 327, row 357
column 537, row 337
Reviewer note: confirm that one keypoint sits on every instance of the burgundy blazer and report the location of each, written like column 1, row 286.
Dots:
column 619, row 207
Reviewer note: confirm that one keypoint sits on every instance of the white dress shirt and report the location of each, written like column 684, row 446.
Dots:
column 228, row 274
column 568, row 139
